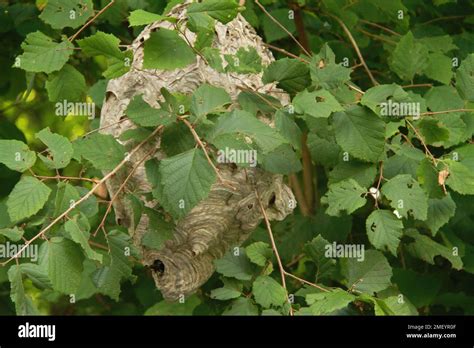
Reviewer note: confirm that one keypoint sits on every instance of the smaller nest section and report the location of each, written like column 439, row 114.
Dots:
column 227, row 217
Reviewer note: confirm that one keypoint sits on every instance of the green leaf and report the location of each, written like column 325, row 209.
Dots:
column 14, row 233
column 59, row 147
column 67, row 13
column 465, row 78
column 166, row 50
column 316, row 250
column 346, row 195
column 259, row 253
column 288, row 128
column 28, row 196
column 409, row 57
column 441, row 43
column 245, row 61
column 42, row 54
column 231, row 289
column 406, row 195
column 224, row 294
column 66, row 84
column 107, row 45
column 420, row 289
column 222, row 10
column 37, row 274
column 213, row 58
column 268, row 292
column 292, row 75
column 159, row 230
column 384, row 230
column 363, row 173
column 242, row 306
column 141, row 17
column 235, row 265
column 375, row 96
column 369, row 276
column 64, row 265
column 325, row 72
column 433, row 131
column 79, row 229
column 360, row 132
column 316, row 104
column 273, row 31
column 109, row 278
column 208, row 99
column 175, row 308
column 439, row 68
column 461, row 178
column 143, row 114
column 23, row 302
column 16, row 155
column 282, row 160
column 405, row 161
column 427, row 249
column 440, row 211
column 242, row 122
column 324, row 303
column 186, row 180
column 102, row 150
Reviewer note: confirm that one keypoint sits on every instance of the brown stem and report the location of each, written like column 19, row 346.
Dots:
column 296, row 187
column 285, row 52
column 275, row 250
column 307, row 173
column 72, row 38
column 120, row 189
column 445, row 112
column 274, row 20
column 298, row 19
column 420, row 137
column 356, row 48
column 376, row 25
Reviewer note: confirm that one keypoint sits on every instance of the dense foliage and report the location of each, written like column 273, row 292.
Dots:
column 376, row 144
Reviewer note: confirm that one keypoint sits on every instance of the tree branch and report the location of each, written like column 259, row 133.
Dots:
column 84, row 198
column 356, row 48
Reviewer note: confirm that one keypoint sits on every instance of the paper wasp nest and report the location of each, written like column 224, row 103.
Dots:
column 227, row 216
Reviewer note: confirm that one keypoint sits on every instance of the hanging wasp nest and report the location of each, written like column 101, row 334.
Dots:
column 232, row 209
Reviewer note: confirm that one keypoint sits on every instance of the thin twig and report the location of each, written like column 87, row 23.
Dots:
column 378, row 185
column 376, row 25
column 275, row 250
column 73, row 37
column 84, row 198
column 57, row 177
column 376, row 37
column 274, row 20
column 445, row 112
column 413, row 85
column 285, row 52
column 295, row 185
column 356, row 48
column 307, row 173
column 442, row 19
column 420, row 137
column 306, row 282
column 201, row 145
column 120, row 189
